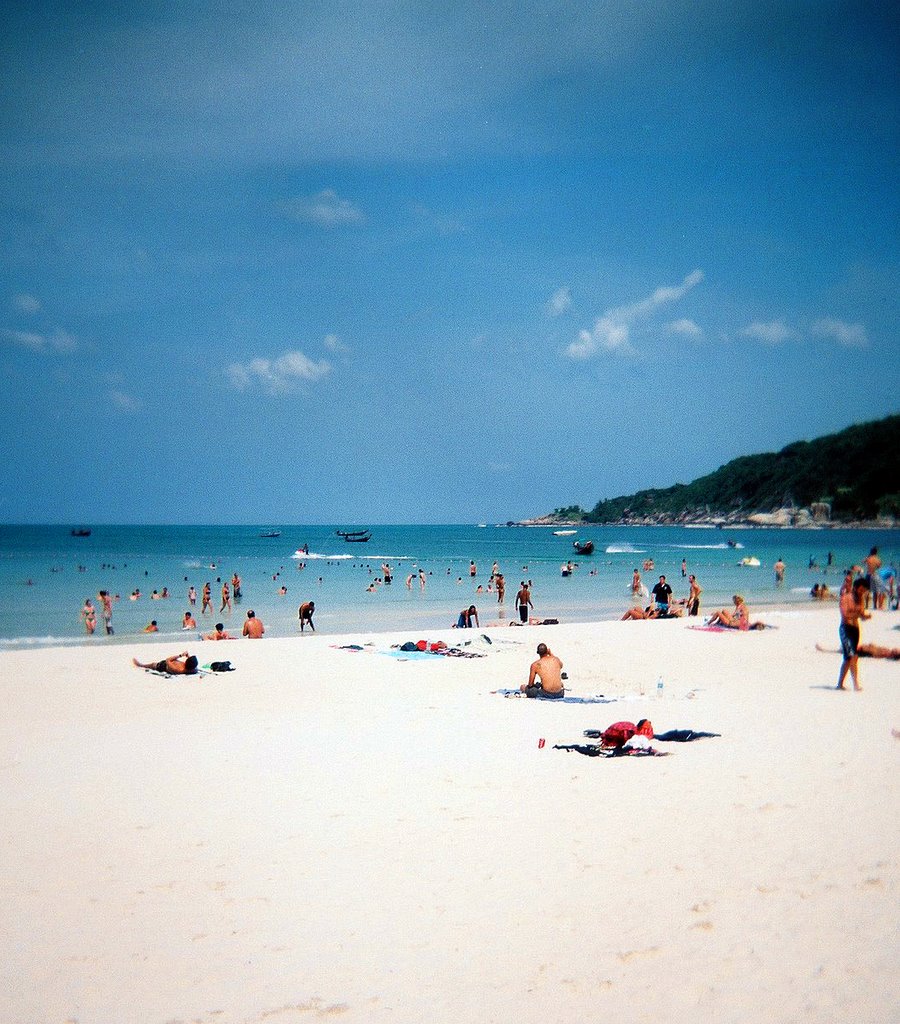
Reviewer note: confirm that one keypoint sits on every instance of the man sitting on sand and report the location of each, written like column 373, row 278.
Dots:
column 253, row 627
column 177, row 665
column 545, row 677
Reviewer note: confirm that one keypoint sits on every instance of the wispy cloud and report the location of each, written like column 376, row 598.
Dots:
column 612, row 331
column 56, row 341
column 334, row 344
column 685, row 328
column 125, row 402
column 277, row 375
column 849, row 335
column 559, row 301
column 325, row 209
column 772, row 332
column 28, row 304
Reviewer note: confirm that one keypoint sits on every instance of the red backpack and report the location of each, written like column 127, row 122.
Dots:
column 619, row 733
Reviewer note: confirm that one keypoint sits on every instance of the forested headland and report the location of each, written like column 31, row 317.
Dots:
column 849, row 477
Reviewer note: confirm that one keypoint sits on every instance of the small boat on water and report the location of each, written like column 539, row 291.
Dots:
column 583, row 547
column 355, row 536
column 270, row 533
column 751, row 562
column 82, row 531
column 564, row 533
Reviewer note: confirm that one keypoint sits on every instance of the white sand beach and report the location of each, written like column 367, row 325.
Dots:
column 331, row 833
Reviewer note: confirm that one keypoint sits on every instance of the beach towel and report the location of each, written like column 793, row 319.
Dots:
column 596, row 698
column 595, row 750
column 683, row 735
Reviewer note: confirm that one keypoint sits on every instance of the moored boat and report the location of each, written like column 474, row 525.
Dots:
column 355, row 536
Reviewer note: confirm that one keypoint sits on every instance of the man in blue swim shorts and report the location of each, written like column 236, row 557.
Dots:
column 853, row 608
column 545, row 676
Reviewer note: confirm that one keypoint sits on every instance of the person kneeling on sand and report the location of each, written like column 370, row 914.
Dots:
column 545, row 676
column 184, row 664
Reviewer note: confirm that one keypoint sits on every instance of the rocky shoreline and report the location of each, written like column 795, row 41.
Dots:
column 814, row 518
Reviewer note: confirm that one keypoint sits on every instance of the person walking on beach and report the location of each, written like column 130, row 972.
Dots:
column 106, row 601
column 523, row 601
column 544, row 676
column 853, row 609
column 305, row 614
column 206, row 600
column 253, row 627
column 662, row 592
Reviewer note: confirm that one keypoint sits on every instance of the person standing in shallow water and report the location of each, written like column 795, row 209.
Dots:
column 89, row 616
column 523, row 601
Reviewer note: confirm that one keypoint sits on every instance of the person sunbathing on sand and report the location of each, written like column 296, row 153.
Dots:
column 545, row 676
column 737, row 619
column 184, row 664
column 866, row 651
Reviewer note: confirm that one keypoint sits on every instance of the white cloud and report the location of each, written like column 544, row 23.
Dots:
column 559, row 301
column 612, row 331
column 278, row 375
column 27, row 304
column 122, row 400
column 334, row 344
column 326, row 209
column 59, row 341
column 773, row 332
column 686, row 328
column 849, row 335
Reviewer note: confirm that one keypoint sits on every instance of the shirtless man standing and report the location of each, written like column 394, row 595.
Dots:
column 545, row 676
column 523, row 602
column 853, row 609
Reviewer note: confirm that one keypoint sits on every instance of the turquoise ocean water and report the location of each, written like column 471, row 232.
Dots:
column 46, row 574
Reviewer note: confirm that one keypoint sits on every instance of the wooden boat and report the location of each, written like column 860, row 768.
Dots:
column 270, row 533
column 355, row 536
column 583, row 547
column 81, row 532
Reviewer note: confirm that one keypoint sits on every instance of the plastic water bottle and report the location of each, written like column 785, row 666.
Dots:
column 659, row 687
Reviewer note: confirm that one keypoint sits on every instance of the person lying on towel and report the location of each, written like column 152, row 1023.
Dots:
column 177, row 665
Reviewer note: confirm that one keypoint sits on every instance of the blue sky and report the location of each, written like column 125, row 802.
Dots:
column 409, row 262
